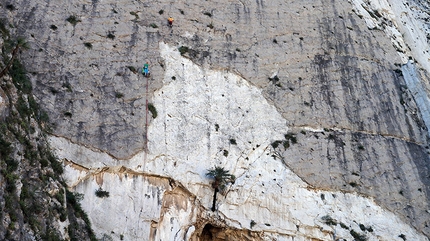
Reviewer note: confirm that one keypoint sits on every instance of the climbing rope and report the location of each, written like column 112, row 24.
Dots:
column 146, row 125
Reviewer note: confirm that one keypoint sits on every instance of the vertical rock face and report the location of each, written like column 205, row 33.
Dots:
column 312, row 106
column 34, row 201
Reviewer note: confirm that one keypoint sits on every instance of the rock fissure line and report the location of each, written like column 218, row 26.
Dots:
column 113, row 170
column 89, row 147
column 341, row 130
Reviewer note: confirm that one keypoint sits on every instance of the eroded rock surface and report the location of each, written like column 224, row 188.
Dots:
column 267, row 198
column 306, row 103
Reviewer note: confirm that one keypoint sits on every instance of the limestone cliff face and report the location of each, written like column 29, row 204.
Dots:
column 318, row 108
column 35, row 203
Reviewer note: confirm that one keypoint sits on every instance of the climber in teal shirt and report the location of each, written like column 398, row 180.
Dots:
column 146, row 69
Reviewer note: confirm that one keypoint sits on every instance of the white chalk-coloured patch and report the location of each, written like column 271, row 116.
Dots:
column 203, row 113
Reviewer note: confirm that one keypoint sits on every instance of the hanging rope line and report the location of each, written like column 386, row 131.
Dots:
column 146, row 125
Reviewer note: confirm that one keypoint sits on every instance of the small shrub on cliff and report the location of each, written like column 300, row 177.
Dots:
column 135, row 15
column 19, row 77
column 183, row 50
column 329, row 220
column 119, row 95
column 153, row 111
column 357, row 236
column 275, row 144
column 252, row 224
column 73, row 201
column 73, row 20
column 291, row 137
column 57, row 166
column 101, row 193
column 344, row 226
column 132, row 69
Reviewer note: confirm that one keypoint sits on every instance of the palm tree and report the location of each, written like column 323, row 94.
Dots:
column 19, row 44
column 222, row 177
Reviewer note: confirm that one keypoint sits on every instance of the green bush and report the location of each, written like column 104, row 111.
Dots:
column 135, row 15
column 101, row 193
column 252, row 224
column 291, row 137
column 357, row 236
column 343, row 225
column 329, row 220
column 5, row 147
column 132, row 69
column 73, row 20
column 19, row 77
column 153, row 111
column 51, row 235
column 183, row 49
column 275, row 144
column 22, row 107
column 119, row 95
column 57, row 166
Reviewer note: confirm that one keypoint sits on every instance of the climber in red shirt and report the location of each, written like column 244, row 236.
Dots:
column 170, row 21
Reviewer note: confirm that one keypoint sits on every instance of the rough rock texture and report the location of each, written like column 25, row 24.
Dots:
column 308, row 103
column 34, row 201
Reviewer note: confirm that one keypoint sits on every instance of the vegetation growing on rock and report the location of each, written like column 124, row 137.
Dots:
column 33, row 201
column 221, row 178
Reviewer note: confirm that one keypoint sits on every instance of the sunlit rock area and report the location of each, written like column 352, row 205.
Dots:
column 319, row 110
